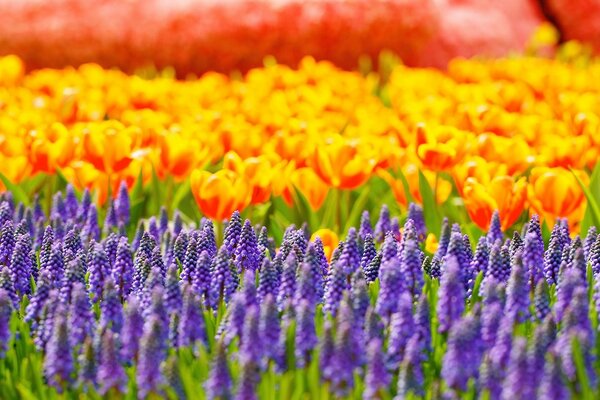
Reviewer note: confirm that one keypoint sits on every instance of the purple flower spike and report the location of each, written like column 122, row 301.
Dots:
column 402, row 327
column 173, row 297
column 365, row 226
column 377, row 377
column 533, row 257
column 58, row 362
column 384, row 224
column 191, row 323
column 231, row 236
column 410, row 266
column 306, row 337
column 122, row 204
column 133, row 327
column 123, row 268
column 5, row 313
column 110, row 307
column 444, row 240
column 7, row 243
column 99, row 268
column 411, row 376
column 247, row 254
column 270, row 328
column 552, row 386
column 465, row 349
column 481, row 259
column 552, row 260
column 81, row 319
column 517, row 290
column 222, row 284
column 152, row 353
column 7, row 284
column 495, row 231
column 218, row 385
column 451, row 302
column 518, row 383
column 590, row 239
column 287, row 288
column 111, row 374
column 391, row 284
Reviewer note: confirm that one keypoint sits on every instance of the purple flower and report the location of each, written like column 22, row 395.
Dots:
column 111, row 310
column 495, row 230
column 464, row 353
column 111, row 374
column 552, row 260
column 81, row 319
column 457, row 249
column 46, row 248
column 451, row 300
column 7, row 243
column 152, row 353
column 411, row 377
column 232, row 233
column 222, row 283
column 415, row 213
column 543, row 337
column 249, row 378
column 58, row 362
column 7, row 285
column 594, row 257
column 499, row 264
column 389, row 249
column 21, row 265
column 377, row 377
column 233, row 323
column 218, row 385
column 423, row 321
column 202, row 277
column 516, row 243
column 491, row 316
column 569, row 281
column 191, row 322
column 517, row 289
column 91, row 230
column 110, row 219
column 84, row 206
column 287, row 287
column 518, row 379
column 133, row 327
column 481, row 259
column 342, row 363
column 410, row 266
column 373, row 325
column 123, row 268
column 247, row 254
column 444, row 240
column 359, row 295
column 122, row 204
column 533, row 257
column 99, row 268
column 402, row 327
column 306, row 337
column 269, row 278
column 5, row 313
column 326, row 352
column 552, row 386
column 207, row 240
column 365, row 226
column 320, row 252
column 390, row 285
column 368, row 254
column 336, row 285
column 270, row 328
column 589, row 241
column 383, row 225
column 173, row 297
column 541, row 300
column 44, row 285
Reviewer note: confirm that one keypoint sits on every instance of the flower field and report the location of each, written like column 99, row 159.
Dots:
column 302, row 233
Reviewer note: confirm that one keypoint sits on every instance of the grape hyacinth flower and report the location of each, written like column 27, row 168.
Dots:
column 58, row 362
column 402, row 327
column 495, row 230
column 151, row 353
column 218, row 385
column 552, row 260
column 191, row 322
column 518, row 383
column 111, row 375
column 517, row 289
column 306, row 337
column 451, row 301
column 377, row 377
column 5, row 313
column 552, row 386
column 390, row 285
column 383, row 225
column 133, row 327
column 111, row 310
column 411, row 376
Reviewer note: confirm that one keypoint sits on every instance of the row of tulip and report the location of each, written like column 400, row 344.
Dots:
column 513, row 135
column 189, row 312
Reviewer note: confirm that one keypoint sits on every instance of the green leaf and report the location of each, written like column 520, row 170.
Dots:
column 431, row 212
column 138, row 189
column 592, row 211
column 357, row 209
column 17, row 191
column 181, row 193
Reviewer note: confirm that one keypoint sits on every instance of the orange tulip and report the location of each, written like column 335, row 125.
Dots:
column 554, row 193
column 218, row 195
column 411, row 173
column 15, row 168
column 329, row 238
column 179, row 155
column 501, row 193
column 259, row 172
column 342, row 163
column 110, row 148
column 309, row 184
column 52, row 148
column 478, row 168
column 440, row 148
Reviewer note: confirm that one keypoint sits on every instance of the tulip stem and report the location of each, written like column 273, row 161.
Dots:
column 435, row 188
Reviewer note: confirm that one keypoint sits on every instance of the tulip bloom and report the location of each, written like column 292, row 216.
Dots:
column 343, row 163
column 218, row 195
column 52, row 148
column 110, row 147
column 501, row 193
column 478, row 168
column 555, row 193
column 411, row 173
column 309, row 184
column 179, row 155
column 440, row 148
